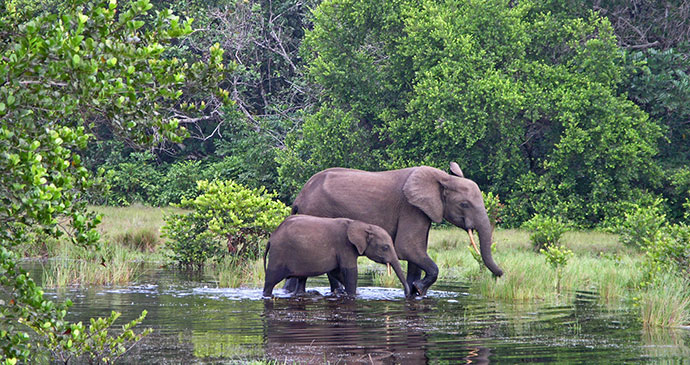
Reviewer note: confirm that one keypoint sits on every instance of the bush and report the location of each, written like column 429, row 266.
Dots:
column 641, row 223
column 494, row 207
column 227, row 218
column 545, row 231
column 180, row 182
column 668, row 251
column 136, row 180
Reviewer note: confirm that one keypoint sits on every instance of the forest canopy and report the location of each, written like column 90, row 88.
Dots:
column 556, row 107
column 569, row 108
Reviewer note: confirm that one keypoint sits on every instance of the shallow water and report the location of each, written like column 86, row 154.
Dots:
column 194, row 322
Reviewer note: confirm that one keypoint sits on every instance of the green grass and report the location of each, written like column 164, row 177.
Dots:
column 230, row 274
column 600, row 264
column 134, row 220
column 129, row 235
column 665, row 303
column 74, row 265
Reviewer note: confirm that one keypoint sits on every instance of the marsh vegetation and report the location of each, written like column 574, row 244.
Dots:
column 600, row 264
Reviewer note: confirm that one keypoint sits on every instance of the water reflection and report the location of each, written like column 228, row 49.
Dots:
column 194, row 322
column 343, row 330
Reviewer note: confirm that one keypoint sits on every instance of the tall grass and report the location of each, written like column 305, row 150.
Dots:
column 234, row 273
column 665, row 303
column 129, row 236
column 601, row 264
column 77, row 266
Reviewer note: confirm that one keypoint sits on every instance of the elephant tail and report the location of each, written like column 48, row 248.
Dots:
column 294, row 208
column 268, row 245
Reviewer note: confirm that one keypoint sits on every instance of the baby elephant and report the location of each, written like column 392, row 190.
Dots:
column 304, row 246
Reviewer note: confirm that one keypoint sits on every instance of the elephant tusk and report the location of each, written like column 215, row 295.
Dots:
column 469, row 232
column 389, row 269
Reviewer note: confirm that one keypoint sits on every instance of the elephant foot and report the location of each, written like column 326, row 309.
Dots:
column 419, row 288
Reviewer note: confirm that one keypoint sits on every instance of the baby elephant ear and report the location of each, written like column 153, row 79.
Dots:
column 358, row 233
column 455, row 169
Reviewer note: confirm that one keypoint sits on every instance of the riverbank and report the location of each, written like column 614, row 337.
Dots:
column 600, row 266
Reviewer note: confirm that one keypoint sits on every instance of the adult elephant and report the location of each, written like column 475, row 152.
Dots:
column 403, row 202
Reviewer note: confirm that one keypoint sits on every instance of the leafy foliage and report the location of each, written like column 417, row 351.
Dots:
column 329, row 138
column 84, row 64
column 225, row 218
column 527, row 101
column 641, row 223
column 557, row 257
column 93, row 343
column 545, row 231
column 668, row 250
column 494, row 207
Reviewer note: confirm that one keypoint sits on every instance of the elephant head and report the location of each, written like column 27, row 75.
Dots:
column 374, row 242
column 457, row 199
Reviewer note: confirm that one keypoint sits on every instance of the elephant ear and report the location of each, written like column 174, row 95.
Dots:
column 455, row 169
column 358, row 234
column 423, row 190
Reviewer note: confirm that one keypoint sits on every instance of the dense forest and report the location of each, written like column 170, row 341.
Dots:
column 569, row 108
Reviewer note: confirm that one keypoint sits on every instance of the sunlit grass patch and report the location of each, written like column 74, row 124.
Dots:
column 134, row 218
column 600, row 264
column 143, row 239
column 595, row 243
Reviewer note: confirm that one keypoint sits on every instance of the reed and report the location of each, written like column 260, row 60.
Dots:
column 78, row 266
column 232, row 272
column 665, row 303
column 129, row 237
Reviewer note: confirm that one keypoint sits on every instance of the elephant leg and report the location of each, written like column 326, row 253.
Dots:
column 301, row 285
column 335, row 279
column 272, row 278
column 431, row 274
column 414, row 273
column 290, row 285
column 350, row 280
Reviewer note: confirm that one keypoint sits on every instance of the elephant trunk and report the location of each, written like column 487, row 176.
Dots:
column 485, row 240
column 401, row 276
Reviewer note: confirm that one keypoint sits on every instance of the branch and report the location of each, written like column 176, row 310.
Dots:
column 643, row 46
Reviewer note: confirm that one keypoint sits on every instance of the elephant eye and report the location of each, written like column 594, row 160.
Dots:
column 465, row 205
column 385, row 248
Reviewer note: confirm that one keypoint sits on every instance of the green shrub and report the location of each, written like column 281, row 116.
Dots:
column 226, row 218
column 641, row 223
column 545, row 231
column 668, row 251
column 179, row 182
column 557, row 257
column 494, row 207
column 136, row 180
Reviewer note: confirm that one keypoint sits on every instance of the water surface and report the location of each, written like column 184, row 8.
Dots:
column 195, row 322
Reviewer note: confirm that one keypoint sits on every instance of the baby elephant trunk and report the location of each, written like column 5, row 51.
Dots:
column 401, row 276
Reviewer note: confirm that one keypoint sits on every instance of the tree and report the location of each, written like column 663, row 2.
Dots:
column 62, row 73
column 527, row 101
